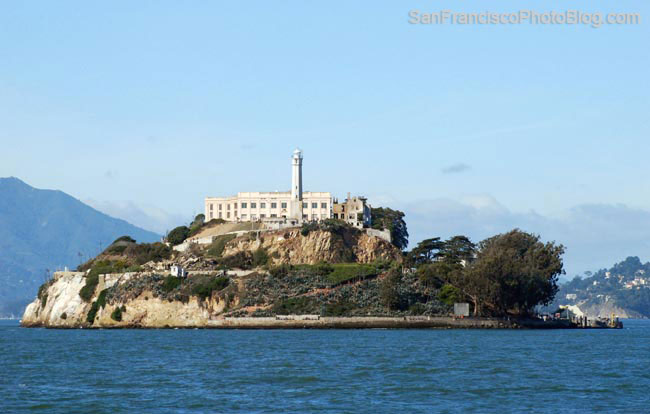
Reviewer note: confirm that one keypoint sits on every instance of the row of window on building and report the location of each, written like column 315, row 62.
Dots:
column 261, row 216
column 263, row 205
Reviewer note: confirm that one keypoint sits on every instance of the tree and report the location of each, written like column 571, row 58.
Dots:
column 197, row 223
column 178, row 235
column 389, row 289
column 392, row 220
column 457, row 250
column 425, row 252
column 513, row 273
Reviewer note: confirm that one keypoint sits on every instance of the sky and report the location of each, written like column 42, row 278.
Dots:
column 142, row 109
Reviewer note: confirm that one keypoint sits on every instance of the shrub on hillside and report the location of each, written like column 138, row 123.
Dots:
column 239, row 260
column 178, row 235
column 117, row 249
column 350, row 271
column 197, row 224
column 203, row 286
column 127, row 239
column 42, row 292
column 260, row 257
column 92, row 278
column 449, row 294
column 170, row 283
column 116, row 315
column 94, row 307
column 295, row 306
column 340, row 308
column 219, row 244
column 280, row 270
column 147, row 252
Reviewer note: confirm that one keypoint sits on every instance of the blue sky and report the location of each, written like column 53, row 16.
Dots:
column 144, row 108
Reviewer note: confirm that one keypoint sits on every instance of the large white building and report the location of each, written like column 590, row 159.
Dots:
column 292, row 206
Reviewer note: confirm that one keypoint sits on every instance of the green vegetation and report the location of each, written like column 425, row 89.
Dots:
column 619, row 284
column 92, row 313
column 417, row 309
column 116, row 315
column 333, row 226
column 449, row 294
column 389, row 291
column 178, row 235
column 508, row 274
column 171, row 283
column 117, row 249
column 333, row 274
column 219, row 244
column 94, row 307
column 42, row 292
column 147, row 252
column 280, row 270
column 127, row 239
column 341, row 308
column 197, row 224
column 204, row 285
column 100, row 267
column 92, row 279
column 239, row 260
column 393, row 220
column 101, row 298
column 295, row 306
column 260, row 257
column 343, row 272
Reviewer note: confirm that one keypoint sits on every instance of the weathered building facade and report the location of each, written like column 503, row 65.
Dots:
column 294, row 206
column 354, row 211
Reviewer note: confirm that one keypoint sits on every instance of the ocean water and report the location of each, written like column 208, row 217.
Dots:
column 332, row 371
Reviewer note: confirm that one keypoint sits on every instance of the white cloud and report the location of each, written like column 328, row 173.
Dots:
column 595, row 235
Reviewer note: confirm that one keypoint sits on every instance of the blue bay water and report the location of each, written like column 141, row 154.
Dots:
column 331, row 371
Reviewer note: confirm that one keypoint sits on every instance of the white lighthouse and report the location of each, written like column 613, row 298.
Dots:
column 296, row 185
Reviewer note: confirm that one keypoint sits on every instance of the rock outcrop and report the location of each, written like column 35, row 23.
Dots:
column 292, row 247
column 60, row 305
column 130, row 285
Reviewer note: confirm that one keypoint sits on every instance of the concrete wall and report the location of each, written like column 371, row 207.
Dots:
column 382, row 234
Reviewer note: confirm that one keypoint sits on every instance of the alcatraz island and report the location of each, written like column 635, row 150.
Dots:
column 299, row 259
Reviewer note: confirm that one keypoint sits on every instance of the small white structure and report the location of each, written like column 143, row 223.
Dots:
column 461, row 309
column 177, row 271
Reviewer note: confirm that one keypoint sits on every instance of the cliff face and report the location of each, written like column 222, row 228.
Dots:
column 292, row 247
column 121, row 289
column 64, row 308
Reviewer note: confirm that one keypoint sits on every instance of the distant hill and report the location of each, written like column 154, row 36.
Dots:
column 623, row 289
column 45, row 230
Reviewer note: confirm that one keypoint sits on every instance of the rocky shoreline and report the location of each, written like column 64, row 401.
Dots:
column 59, row 305
column 317, row 322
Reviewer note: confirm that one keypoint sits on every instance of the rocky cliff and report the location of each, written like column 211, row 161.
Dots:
column 334, row 271
column 61, row 306
column 294, row 247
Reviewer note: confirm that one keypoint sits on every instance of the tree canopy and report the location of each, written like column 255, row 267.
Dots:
column 392, row 220
column 512, row 274
column 178, row 235
column 425, row 252
column 509, row 273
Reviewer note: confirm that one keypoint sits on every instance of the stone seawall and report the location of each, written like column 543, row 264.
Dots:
column 442, row 322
